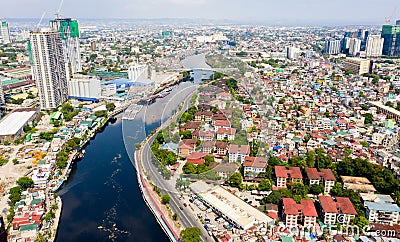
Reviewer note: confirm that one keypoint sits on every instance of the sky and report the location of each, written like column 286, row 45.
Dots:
column 317, row 12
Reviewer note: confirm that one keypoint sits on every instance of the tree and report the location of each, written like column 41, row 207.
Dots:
column 25, row 182
column 49, row 216
column 101, row 113
column 187, row 134
column 368, row 118
column 110, row 107
column 235, row 180
column 189, row 168
column 165, row 198
column 40, row 238
column 209, row 159
column 3, row 161
column 316, row 189
column 275, row 197
column 191, row 234
column 265, row 185
column 310, row 158
column 298, row 161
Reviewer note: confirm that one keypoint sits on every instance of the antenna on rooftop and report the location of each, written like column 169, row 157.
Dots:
column 58, row 15
column 40, row 21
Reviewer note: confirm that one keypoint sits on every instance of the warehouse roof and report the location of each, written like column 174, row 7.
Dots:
column 13, row 122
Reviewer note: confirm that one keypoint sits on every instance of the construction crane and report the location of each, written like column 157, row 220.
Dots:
column 40, row 21
column 388, row 19
column 58, row 15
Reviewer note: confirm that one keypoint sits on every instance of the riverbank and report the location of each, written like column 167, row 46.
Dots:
column 151, row 198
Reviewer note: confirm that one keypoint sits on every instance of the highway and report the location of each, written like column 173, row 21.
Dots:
column 185, row 216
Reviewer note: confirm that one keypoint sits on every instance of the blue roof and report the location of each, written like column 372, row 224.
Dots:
column 390, row 207
column 119, row 81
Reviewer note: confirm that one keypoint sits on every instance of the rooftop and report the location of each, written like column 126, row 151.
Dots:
column 13, row 122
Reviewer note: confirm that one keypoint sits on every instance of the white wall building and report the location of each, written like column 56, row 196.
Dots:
column 49, row 68
column 332, row 46
column 4, row 33
column 135, row 71
column 84, row 87
column 374, row 46
column 354, row 46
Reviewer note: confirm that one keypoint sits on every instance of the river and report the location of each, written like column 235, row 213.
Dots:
column 102, row 200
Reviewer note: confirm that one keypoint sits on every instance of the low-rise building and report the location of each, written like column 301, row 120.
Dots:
column 284, row 176
column 253, row 166
column 380, row 208
column 233, row 209
column 357, row 184
column 238, row 153
column 336, row 210
column 303, row 213
column 324, row 177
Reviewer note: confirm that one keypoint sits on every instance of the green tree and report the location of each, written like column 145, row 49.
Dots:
column 189, row 168
column 265, row 185
column 3, row 161
column 298, row 161
column 165, row 198
column 191, row 234
column 25, row 182
column 275, row 197
column 368, row 118
column 110, row 107
column 235, row 179
column 187, row 134
column 316, row 189
column 209, row 159
column 40, row 238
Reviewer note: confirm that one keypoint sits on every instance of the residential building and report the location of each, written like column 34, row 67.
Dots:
column 357, row 184
column 336, row 210
column 221, row 148
column 357, row 65
column 226, row 133
column 390, row 112
column 49, row 68
column 69, row 33
column 332, row 46
column 354, row 46
column 237, row 153
column 391, row 43
column 292, row 52
column 4, row 33
column 253, row 166
column 324, row 177
column 374, row 46
column 303, row 213
column 186, row 147
column 380, row 208
column 285, row 175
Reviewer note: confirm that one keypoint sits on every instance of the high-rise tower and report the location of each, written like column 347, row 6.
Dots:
column 69, row 33
column 391, row 43
column 374, row 46
column 49, row 68
column 4, row 32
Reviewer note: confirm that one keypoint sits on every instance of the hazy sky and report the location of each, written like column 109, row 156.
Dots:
column 262, row 11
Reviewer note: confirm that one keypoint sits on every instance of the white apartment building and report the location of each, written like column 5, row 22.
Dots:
column 49, row 69
column 374, row 46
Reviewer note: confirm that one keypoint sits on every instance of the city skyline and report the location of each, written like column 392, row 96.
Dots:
column 287, row 12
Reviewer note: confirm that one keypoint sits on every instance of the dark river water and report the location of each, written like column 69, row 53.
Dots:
column 102, row 200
